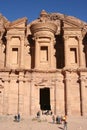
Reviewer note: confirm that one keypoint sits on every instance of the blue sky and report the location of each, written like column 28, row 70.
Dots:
column 14, row 9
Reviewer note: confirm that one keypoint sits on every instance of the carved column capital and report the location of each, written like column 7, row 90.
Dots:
column 53, row 40
column 6, row 79
column 67, row 79
column 35, row 38
column 22, row 38
column 79, row 37
column 8, row 38
column 82, row 79
column 66, row 37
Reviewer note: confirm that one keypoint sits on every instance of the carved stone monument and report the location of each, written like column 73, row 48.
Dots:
column 43, row 65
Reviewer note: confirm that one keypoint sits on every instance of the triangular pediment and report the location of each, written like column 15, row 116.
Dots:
column 70, row 24
column 19, row 23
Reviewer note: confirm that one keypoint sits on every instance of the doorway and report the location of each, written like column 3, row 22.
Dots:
column 45, row 99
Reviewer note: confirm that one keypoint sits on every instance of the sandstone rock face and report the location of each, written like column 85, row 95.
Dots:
column 43, row 65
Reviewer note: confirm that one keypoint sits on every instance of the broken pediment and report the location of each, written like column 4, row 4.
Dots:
column 69, row 21
column 70, row 25
column 3, row 20
column 61, row 20
column 3, row 24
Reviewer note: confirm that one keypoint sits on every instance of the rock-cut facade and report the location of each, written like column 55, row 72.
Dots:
column 43, row 65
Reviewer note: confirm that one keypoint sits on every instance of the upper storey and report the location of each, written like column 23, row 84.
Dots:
column 53, row 41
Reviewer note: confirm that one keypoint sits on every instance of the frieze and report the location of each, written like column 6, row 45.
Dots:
column 73, row 33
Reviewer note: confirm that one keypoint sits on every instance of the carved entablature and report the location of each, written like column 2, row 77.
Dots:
column 72, row 33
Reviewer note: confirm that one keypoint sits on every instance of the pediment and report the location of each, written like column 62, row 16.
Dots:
column 73, row 23
column 70, row 24
column 19, row 23
column 69, row 21
column 3, row 22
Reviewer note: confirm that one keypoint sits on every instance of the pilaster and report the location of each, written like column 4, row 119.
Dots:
column 52, row 54
column 8, row 51
column 37, row 51
column 52, row 102
column 60, row 96
column 6, row 96
column 22, row 52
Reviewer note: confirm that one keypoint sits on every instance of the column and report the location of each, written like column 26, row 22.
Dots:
column 27, row 95
column 52, row 54
column 52, row 102
column 55, row 97
column 22, row 52
column 38, row 98
column 32, row 95
column 1, row 36
column 83, row 95
column 0, row 53
column 1, row 97
column 66, row 51
column 21, row 94
column 81, row 53
column 8, row 51
column 60, row 106
column 37, row 53
column 32, row 99
column 67, row 93
column 6, row 96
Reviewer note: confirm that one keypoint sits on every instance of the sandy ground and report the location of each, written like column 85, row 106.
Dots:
column 45, row 123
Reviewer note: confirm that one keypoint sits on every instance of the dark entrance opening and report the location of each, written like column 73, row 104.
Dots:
column 45, row 99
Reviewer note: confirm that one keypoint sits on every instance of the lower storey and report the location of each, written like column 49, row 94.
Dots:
column 26, row 92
